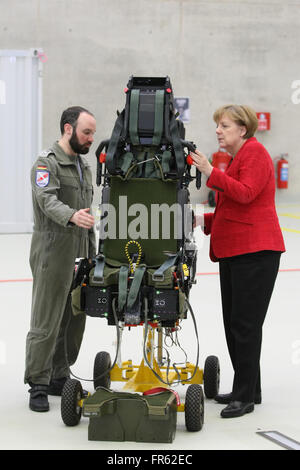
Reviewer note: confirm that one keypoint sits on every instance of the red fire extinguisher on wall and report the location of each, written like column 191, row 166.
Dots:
column 282, row 172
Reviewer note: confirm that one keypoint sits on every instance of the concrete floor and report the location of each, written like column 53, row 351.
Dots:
column 280, row 363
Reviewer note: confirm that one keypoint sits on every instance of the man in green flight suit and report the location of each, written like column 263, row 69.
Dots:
column 62, row 194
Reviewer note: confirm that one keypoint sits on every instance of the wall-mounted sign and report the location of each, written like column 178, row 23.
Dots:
column 182, row 105
column 264, row 121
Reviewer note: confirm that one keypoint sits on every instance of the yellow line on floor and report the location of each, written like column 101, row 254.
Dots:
column 290, row 230
column 292, row 216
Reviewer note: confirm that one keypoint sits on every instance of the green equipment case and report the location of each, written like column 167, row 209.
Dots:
column 122, row 416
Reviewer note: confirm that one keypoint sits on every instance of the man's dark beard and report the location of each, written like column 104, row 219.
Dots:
column 76, row 146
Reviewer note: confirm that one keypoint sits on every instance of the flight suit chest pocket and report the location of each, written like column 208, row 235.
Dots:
column 69, row 190
column 88, row 194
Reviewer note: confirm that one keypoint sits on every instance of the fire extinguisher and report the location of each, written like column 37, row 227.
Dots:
column 282, row 173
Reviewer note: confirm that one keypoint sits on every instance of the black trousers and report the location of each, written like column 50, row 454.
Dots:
column 247, row 283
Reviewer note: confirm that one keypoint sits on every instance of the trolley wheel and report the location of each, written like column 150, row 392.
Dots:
column 211, row 199
column 102, row 364
column 70, row 409
column 211, row 376
column 194, row 408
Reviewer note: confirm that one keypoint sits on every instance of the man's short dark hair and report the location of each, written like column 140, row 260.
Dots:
column 70, row 116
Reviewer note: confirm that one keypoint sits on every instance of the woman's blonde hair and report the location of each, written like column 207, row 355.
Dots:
column 241, row 115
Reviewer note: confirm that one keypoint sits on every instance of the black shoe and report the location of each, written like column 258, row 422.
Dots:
column 56, row 386
column 236, row 409
column 38, row 398
column 226, row 398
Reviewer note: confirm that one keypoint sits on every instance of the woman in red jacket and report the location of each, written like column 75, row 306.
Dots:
column 247, row 242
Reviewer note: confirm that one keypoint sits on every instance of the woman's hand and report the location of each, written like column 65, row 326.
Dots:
column 199, row 220
column 201, row 163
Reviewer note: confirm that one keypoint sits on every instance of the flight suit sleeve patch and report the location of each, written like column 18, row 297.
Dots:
column 42, row 176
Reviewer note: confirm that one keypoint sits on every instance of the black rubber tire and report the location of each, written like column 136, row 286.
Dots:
column 194, row 408
column 102, row 363
column 70, row 410
column 211, row 376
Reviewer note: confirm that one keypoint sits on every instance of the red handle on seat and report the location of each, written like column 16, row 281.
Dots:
column 189, row 160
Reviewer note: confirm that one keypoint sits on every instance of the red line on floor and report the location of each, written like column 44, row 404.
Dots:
column 288, row 270
column 206, row 274
column 280, row 270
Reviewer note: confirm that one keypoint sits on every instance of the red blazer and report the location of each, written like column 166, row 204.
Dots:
column 245, row 218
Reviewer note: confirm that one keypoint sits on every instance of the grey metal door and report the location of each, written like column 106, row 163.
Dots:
column 20, row 134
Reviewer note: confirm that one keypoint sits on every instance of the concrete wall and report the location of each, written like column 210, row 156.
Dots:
column 215, row 52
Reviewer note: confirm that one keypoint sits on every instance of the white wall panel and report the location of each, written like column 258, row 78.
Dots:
column 20, row 135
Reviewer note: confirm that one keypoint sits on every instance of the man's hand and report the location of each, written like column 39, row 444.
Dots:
column 83, row 219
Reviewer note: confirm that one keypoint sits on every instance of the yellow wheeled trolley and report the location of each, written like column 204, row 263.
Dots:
column 147, row 379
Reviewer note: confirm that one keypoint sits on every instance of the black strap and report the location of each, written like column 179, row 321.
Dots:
column 134, row 116
column 159, row 115
column 179, row 155
column 113, row 142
